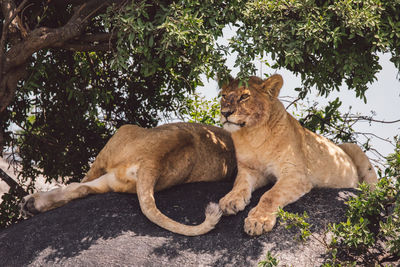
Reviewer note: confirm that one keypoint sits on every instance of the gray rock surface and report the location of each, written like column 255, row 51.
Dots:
column 110, row 230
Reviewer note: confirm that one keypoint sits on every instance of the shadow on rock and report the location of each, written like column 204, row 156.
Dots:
column 110, row 229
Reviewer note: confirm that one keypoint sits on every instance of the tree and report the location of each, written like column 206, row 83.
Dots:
column 72, row 71
column 97, row 62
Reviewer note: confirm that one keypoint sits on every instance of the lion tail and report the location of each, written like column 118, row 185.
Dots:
column 145, row 191
column 366, row 172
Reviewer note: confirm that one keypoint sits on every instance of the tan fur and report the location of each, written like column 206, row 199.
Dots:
column 269, row 142
column 138, row 160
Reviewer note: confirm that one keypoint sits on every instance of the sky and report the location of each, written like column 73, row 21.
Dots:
column 383, row 97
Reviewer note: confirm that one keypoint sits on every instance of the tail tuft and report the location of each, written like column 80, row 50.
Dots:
column 213, row 214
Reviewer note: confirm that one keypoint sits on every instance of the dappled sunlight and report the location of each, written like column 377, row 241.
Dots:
column 98, row 223
column 216, row 140
column 224, row 168
column 331, row 166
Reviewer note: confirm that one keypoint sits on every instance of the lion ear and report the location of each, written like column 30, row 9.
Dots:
column 224, row 79
column 273, row 85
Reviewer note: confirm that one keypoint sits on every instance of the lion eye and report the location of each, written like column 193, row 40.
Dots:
column 223, row 96
column 244, row 97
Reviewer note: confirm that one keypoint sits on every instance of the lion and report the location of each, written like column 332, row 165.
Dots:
column 141, row 161
column 272, row 146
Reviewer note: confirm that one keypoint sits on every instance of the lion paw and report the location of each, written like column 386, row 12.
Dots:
column 259, row 224
column 232, row 203
column 27, row 206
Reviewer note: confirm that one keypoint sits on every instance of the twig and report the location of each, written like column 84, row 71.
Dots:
column 94, row 11
column 358, row 118
column 376, row 136
column 293, row 102
column 378, row 162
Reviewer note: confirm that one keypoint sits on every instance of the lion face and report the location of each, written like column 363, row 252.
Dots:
column 247, row 105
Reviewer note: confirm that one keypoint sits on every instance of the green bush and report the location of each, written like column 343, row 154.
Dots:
column 293, row 220
column 269, row 261
column 372, row 230
column 198, row 109
column 9, row 209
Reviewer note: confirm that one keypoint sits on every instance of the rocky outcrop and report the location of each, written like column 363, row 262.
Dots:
column 110, row 230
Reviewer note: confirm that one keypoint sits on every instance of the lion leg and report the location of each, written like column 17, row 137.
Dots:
column 44, row 201
column 262, row 218
column 246, row 182
column 94, row 173
column 98, row 167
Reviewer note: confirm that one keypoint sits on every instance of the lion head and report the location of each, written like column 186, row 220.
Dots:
column 246, row 105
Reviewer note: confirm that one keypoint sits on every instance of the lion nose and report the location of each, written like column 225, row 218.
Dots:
column 226, row 114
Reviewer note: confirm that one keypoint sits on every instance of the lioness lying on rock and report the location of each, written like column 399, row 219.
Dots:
column 138, row 160
column 269, row 142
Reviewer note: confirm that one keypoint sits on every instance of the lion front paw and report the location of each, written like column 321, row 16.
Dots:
column 257, row 224
column 27, row 206
column 233, row 202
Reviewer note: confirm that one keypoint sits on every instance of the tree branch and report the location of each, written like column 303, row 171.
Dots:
column 43, row 37
column 292, row 103
column 365, row 134
column 99, row 37
column 89, row 42
column 9, row 13
column 85, row 47
column 12, row 183
column 370, row 119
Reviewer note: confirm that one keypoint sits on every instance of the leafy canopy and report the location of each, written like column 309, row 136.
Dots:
column 72, row 101
column 326, row 42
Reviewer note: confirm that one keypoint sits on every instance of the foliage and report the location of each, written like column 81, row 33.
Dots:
column 328, row 121
column 373, row 219
column 173, row 39
column 325, row 42
column 293, row 220
column 9, row 209
column 269, row 261
column 66, row 120
column 198, row 109
column 142, row 62
column 138, row 61
column 71, row 102
column 371, row 233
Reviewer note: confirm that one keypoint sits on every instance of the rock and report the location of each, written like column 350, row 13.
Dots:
column 110, row 230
